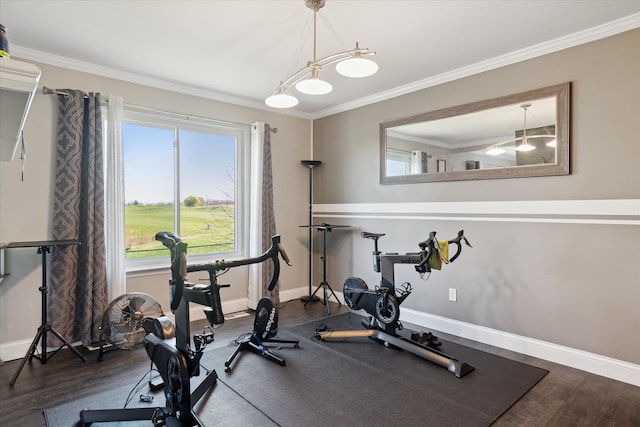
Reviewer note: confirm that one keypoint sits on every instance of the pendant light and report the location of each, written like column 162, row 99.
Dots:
column 524, row 145
column 351, row 63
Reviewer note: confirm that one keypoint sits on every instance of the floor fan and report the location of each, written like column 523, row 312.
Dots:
column 123, row 321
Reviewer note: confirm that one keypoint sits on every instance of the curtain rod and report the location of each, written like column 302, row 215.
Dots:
column 398, row 150
column 49, row 91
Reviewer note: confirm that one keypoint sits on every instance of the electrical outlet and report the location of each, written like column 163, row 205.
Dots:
column 453, row 294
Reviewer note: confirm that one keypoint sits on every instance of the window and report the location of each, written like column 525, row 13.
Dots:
column 187, row 177
column 398, row 162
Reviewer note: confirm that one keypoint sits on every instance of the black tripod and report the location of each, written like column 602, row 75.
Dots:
column 44, row 247
column 311, row 164
column 324, row 228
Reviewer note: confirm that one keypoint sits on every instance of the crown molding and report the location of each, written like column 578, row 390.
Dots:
column 582, row 37
column 99, row 70
column 596, row 33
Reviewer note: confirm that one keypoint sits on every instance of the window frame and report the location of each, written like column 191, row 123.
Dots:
column 177, row 122
column 400, row 156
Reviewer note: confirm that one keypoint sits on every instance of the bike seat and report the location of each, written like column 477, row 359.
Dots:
column 374, row 236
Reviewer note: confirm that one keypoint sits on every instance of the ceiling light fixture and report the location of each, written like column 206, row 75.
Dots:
column 351, row 63
column 524, row 145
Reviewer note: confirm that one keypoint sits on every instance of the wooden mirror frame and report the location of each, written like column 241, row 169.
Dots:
column 560, row 167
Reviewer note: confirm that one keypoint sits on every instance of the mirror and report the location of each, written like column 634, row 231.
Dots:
column 514, row 136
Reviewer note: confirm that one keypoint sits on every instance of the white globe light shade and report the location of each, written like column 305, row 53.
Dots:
column 314, row 86
column 281, row 100
column 357, row 67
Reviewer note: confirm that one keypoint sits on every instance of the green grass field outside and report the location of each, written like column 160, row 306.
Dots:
column 204, row 229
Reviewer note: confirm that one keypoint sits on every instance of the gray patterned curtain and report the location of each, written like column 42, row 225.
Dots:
column 78, row 292
column 268, row 216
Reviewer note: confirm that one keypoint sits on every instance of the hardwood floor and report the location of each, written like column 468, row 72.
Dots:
column 565, row 397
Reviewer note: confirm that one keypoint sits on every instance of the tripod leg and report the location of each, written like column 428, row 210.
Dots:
column 334, row 294
column 312, row 296
column 325, row 285
column 67, row 343
column 29, row 355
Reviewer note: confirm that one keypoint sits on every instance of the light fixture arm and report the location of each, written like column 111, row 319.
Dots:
column 306, row 71
column 351, row 64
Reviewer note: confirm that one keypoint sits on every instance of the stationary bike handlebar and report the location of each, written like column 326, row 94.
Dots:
column 272, row 253
column 428, row 247
column 179, row 267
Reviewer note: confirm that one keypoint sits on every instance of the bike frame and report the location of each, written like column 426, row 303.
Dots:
column 383, row 304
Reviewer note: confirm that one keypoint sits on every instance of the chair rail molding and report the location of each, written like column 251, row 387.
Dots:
column 602, row 211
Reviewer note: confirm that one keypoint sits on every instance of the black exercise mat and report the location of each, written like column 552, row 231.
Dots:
column 221, row 407
column 320, row 387
column 340, row 384
column 491, row 388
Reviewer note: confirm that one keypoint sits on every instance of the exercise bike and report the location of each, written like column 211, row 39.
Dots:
column 383, row 302
column 265, row 325
column 178, row 363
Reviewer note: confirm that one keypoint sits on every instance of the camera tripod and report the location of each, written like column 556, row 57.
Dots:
column 44, row 247
column 324, row 285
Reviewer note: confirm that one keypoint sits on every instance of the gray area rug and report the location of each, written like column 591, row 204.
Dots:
column 355, row 382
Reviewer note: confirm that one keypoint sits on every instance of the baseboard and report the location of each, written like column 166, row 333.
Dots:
column 241, row 304
column 589, row 362
column 15, row 349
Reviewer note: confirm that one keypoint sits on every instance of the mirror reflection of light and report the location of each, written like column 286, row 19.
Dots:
column 525, row 146
column 495, row 151
column 551, row 143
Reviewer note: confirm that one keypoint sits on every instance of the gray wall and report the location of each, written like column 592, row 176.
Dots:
column 565, row 278
column 26, row 207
